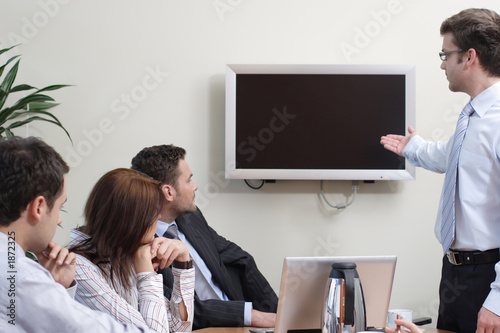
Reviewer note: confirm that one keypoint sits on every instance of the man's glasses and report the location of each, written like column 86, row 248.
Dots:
column 444, row 55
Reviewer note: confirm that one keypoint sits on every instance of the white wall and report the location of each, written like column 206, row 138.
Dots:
column 109, row 49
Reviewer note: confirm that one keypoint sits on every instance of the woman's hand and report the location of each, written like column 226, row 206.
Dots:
column 143, row 259
column 167, row 250
column 411, row 326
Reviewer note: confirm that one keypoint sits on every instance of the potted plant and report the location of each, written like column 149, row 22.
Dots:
column 32, row 107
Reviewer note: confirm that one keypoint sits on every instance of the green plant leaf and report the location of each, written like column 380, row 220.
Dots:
column 21, row 105
column 5, row 113
column 7, row 82
column 5, row 65
column 7, row 49
column 52, row 87
column 8, row 133
column 37, row 106
column 23, row 102
column 34, row 106
column 10, row 77
column 3, row 93
column 21, row 87
column 31, row 255
column 29, row 120
column 29, row 114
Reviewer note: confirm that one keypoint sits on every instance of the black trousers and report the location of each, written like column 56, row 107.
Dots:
column 462, row 292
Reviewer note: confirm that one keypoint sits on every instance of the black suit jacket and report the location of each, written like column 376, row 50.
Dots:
column 233, row 270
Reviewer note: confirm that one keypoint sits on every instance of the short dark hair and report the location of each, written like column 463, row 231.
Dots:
column 160, row 163
column 478, row 29
column 28, row 168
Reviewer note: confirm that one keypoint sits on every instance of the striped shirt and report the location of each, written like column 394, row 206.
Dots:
column 143, row 303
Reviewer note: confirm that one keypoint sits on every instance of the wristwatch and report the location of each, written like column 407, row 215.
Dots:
column 183, row 264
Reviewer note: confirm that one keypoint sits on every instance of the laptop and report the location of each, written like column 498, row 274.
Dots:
column 303, row 284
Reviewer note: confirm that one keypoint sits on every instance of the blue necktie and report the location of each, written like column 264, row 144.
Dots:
column 203, row 288
column 450, row 180
column 171, row 232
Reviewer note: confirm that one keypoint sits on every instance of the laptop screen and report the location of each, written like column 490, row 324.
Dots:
column 303, row 284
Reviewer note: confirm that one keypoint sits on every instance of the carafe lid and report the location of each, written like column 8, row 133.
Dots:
column 344, row 265
column 338, row 269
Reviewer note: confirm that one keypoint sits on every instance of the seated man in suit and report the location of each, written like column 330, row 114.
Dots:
column 229, row 288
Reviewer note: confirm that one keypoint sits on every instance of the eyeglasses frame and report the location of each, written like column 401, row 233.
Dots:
column 444, row 55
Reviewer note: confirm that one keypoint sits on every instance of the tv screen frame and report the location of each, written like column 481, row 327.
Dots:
column 234, row 171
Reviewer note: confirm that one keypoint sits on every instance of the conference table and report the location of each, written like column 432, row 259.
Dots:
column 425, row 329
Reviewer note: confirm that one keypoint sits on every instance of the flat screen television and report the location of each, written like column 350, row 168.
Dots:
column 317, row 121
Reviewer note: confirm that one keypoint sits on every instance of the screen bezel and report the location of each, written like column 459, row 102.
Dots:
column 232, row 172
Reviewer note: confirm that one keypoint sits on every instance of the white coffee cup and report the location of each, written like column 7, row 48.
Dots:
column 404, row 314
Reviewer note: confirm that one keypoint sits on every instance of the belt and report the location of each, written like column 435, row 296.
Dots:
column 473, row 257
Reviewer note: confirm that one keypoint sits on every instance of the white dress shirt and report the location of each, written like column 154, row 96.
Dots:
column 205, row 288
column 39, row 304
column 477, row 202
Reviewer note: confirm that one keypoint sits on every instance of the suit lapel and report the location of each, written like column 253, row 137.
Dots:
column 200, row 238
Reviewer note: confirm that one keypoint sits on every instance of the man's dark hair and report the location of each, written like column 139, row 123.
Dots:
column 478, row 29
column 28, row 168
column 160, row 163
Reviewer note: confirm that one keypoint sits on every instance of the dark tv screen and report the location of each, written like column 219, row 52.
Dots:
column 318, row 121
column 311, row 121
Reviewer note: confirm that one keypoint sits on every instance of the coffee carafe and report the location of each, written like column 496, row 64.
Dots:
column 344, row 306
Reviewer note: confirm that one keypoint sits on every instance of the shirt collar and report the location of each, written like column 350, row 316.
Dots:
column 485, row 100
column 163, row 226
column 76, row 236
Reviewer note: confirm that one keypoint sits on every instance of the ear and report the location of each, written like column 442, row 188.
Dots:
column 169, row 192
column 36, row 209
column 472, row 58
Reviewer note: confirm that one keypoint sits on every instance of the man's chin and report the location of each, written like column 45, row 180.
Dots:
column 193, row 208
column 190, row 210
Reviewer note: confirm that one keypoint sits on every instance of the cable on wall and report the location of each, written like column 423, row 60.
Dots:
column 254, row 187
column 355, row 188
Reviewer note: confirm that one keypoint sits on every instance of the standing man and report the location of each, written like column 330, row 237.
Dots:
column 229, row 288
column 38, row 296
column 468, row 219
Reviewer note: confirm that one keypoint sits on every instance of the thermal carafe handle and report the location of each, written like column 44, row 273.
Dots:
column 346, row 269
